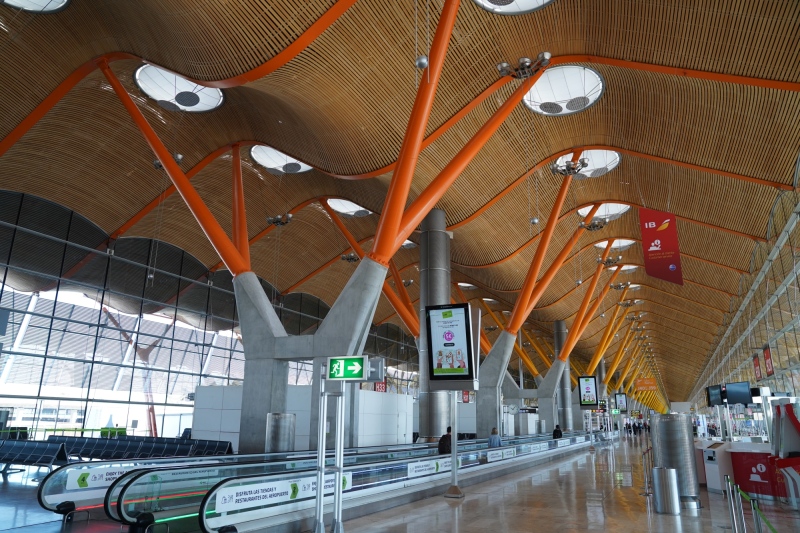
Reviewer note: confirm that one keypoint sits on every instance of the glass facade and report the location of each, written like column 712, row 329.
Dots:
column 99, row 333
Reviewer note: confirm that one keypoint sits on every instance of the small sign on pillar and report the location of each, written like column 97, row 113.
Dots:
column 465, row 396
column 380, row 386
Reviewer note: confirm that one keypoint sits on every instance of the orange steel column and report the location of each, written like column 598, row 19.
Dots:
column 436, row 189
column 518, row 315
column 575, row 330
column 624, row 374
column 401, row 289
column 389, row 223
column 537, row 348
column 239, row 213
column 524, row 357
column 407, row 315
column 601, row 348
column 558, row 262
column 587, row 318
column 486, row 345
column 617, row 361
column 219, row 239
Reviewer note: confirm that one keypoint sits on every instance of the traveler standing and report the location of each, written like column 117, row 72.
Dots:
column 494, row 439
column 445, row 443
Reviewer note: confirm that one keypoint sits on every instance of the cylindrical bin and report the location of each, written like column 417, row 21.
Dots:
column 280, row 432
column 673, row 447
column 665, row 491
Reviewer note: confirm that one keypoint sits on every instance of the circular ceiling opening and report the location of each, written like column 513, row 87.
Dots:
column 618, row 244
column 348, row 208
column 466, row 286
column 407, row 245
column 598, row 163
column 175, row 93
column 607, row 211
column 512, row 7
column 626, row 268
column 277, row 162
column 564, row 90
column 37, row 6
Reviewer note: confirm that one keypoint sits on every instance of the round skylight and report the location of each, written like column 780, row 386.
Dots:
column 348, row 208
column 565, row 89
column 37, row 6
column 277, row 162
column 512, row 7
column 407, row 245
column 608, row 211
column 618, row 244
column 175, row 93
column 467, row 286
column 490, row 300
column 598, row 163
column 626, row 268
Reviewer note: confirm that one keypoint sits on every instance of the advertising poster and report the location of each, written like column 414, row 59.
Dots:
column 662, row 258
column 757, row 367
column 449, row 341
column 622, row 403
column 768, row 362
column 587, row 386
column 646, row 384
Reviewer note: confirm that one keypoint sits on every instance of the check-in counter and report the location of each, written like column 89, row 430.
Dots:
column 699, row 446
column 752, row 470
column 717, row 462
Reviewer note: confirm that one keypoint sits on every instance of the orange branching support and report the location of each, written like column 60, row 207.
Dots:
column 383, row 248
column 486, row 345
column 624, row 374
column 539, row 350
column 518, row 315
column 216, row 235
column 401, row 288
column 436, row 189
column 607, row 335
column 239, row 213
column 543, row 283
column 617, row 361
column 519, row 351
column 581, row 318
column 406, row 313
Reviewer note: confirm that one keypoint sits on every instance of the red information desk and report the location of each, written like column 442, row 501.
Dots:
column 754, row 472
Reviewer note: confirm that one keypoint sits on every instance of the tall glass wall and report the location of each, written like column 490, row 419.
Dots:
column 98, row 333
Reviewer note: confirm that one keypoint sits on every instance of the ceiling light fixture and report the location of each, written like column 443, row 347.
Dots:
column 352, row 257
column 279, row 220
column 525, row 66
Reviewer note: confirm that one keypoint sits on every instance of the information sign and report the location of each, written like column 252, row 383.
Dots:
column 757, row 367
column 353, row 368
column 622, row 402
column 615, row 411
column 768, row 361
column 450, row 342
column 587, row 387
column 646, row 384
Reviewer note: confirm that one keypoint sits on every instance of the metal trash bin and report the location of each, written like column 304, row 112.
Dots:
column 666, row 498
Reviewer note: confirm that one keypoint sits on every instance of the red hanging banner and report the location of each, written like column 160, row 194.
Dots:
column 768, row 362
column 662, row 257
column 757, row 367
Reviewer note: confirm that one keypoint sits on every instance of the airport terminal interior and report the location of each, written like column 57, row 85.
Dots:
column 399, row 265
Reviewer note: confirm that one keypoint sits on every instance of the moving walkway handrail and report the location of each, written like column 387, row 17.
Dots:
column 250, row 502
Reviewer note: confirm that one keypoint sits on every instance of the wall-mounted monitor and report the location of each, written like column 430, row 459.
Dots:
column 714, row 393
column 587, row 387
column 739, row 392
column 450, row 343
column 622, row 402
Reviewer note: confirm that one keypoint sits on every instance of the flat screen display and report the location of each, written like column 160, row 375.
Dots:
column 449, row 342
column 587, row 386
column 714, row 393
column 739, row 392
column 622, row 402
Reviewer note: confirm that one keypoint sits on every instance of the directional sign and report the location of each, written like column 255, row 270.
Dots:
column 348, row 368
column 615, row 411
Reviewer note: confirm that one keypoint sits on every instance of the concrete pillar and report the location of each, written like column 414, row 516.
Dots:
column 434, row 281
column 565, row 394
column 266, row 378
column 492, row 374
column 600, row 373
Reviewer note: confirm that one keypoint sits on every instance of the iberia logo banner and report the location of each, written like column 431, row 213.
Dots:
column 662, row 257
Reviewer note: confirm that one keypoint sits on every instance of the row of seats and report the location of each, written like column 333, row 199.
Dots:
column 112, row 449
column 31, row 453
column 200, row 447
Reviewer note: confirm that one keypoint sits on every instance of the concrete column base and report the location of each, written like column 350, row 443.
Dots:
column 492, row 372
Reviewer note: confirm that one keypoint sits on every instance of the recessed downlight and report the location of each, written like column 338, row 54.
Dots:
column 175, row 93
column 564, row 90
column 277, row 162
column 512, row 7
column 348, row 208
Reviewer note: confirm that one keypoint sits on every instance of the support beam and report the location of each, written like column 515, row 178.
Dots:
column 518, row 315
column 397, row 195
column 609, row 332
column 539, row 350
column 216, row 235
column 239, row 222
column 524, row 357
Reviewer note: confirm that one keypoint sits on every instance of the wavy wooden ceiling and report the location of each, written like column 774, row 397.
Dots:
column 342, row 105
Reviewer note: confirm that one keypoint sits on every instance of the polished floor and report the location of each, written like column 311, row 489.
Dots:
column 599, row 491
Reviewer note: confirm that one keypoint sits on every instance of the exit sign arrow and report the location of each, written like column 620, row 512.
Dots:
column 348, row 368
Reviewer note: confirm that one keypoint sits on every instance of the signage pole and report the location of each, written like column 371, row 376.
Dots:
column 453, row 491
column 337, row 526
column 319, row 515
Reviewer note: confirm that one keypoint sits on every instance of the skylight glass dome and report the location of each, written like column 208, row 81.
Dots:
column 37, row 6
column 175, row 93
column 608, row 211
column 626, row 268
column 466, row 286
column 348, row 208
column 563, row 90
column 277, row 162
column 599, row 162
column 512, row 7
column 618, row 244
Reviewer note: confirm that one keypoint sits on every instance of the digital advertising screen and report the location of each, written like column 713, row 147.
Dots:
column 449, row 342
column 587, row 386
column 739, row 392
column 714, row 395
column 622, row 402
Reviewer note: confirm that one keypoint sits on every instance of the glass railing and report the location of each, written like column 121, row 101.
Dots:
column 257, row 501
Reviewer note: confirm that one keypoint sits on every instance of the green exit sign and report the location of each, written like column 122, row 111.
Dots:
column 348, row 368
column 615, row 411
